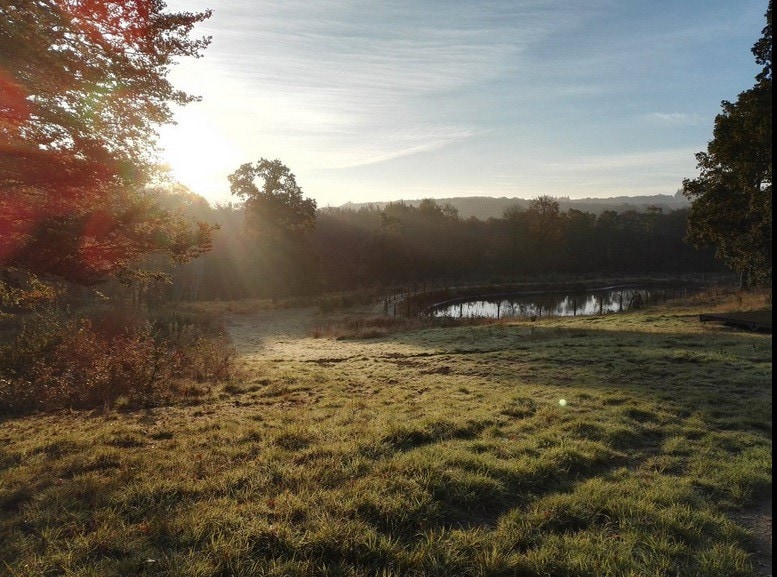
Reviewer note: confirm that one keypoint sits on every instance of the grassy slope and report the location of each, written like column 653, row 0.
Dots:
column 430, row 452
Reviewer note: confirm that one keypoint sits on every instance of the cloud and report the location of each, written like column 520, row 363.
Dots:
column 400, row 96
column 675, row 118
column 347, row 83
column 660, row 159
column 391, row 144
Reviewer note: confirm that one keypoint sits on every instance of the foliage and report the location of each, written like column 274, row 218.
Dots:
column 28, row 292
column 385, row 257
column 84, row 86
column 732, row 197
column 57, row 361
column 545, row 222
column 279, row 219
column 401, row 245
column 432, row 452
column 278, row 208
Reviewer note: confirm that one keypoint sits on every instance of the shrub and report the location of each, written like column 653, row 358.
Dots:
column 59, row 362
column 198, row 344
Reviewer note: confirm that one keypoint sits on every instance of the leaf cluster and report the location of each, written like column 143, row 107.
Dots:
column 88, row 79
column 84, row 86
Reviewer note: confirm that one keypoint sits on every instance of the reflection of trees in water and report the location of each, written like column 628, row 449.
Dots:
column 558, row 304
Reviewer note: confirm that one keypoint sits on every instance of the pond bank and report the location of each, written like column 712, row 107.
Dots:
column 422, row 302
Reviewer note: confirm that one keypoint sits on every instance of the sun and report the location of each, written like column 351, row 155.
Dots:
column 200, row 156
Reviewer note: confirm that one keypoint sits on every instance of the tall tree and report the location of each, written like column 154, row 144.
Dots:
column 385, row 256
column 517, row 230
column 545, row 227
column 83, row 87
column 732, row 197
column 278, row 207
column 579, row 250
column 280, row 219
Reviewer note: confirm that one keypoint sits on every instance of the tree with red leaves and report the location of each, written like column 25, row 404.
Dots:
column 83, row 88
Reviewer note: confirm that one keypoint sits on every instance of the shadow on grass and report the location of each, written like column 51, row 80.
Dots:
column 657, row 427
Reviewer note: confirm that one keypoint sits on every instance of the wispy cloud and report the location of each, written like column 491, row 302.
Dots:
column 676, row 118
column 388, row 80
column 374, row 97
column 391, row 144
column 637, row 160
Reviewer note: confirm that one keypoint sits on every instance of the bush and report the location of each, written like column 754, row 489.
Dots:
column 59, row 362
column 198, row 343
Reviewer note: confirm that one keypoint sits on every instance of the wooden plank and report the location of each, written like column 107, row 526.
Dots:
column 751, row 320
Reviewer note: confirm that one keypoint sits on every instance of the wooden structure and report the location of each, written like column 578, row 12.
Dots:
column 751, row 320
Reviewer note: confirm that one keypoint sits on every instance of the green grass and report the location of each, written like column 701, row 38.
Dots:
column 432, row 451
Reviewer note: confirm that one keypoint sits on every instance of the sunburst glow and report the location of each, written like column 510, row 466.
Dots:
column 200, row 156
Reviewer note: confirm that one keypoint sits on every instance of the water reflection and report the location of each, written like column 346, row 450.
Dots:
column 611, row 300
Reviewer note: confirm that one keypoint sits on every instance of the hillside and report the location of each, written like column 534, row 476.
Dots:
column 485, row 207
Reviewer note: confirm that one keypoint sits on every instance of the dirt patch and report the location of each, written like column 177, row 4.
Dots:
column 287, row 334
column 264, row 331
column 759, row 521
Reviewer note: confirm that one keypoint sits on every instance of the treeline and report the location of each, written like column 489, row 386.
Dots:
column 485, row 207
column 399, row 244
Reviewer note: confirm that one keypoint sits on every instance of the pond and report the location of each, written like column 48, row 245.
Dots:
column 600, row 301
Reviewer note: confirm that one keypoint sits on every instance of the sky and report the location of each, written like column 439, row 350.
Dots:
column 374, row 101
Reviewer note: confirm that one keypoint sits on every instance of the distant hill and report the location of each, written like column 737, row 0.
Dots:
column 485, row 207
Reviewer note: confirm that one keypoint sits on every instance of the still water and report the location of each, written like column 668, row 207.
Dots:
column 595, row 302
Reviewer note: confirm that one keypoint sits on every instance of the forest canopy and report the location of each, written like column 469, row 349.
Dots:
column 400, row 244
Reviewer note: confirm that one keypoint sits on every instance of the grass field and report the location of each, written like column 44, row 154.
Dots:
column 624, row 445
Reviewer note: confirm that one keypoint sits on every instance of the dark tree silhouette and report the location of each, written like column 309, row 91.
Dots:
column 545, row 225
column 516, row 228
column 385, row 257
column 403, row 244
column 579, row 250
column 732, row 197
column 277, row 208
column 279, row 219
